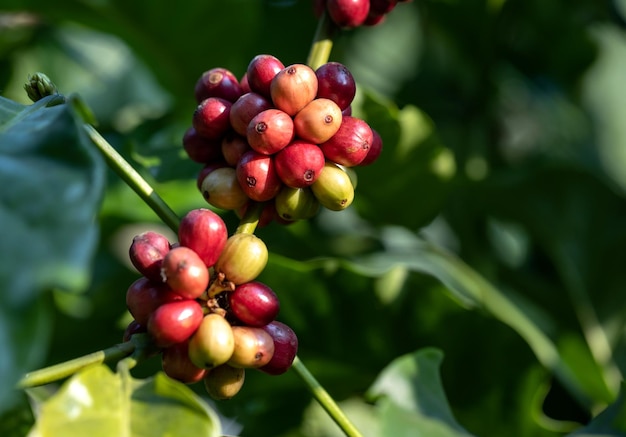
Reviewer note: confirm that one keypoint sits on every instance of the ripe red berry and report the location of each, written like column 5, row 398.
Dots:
column 211, row 119
column 217, row 82
column 254, row 303
column 200, row 149
column 285, row 348
column 257, row 176
column 144, row 296
column 299, row 164
column 318, row 121
column 203, row 231
column 261, row 70
column 376, row 149
column 350, row 145
column 348, row 13
column 335, row 82
column 245, row 109
column 177, row 365
column 174, row 322
column 233, row 147
column 147, row 252
column 270, row 131
column 185, row 272
column 293, row 88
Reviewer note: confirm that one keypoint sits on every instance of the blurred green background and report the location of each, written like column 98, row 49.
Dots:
column 491, row 228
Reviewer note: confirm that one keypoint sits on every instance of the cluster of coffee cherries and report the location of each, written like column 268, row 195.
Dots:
column 201, row 306
column 355, row 13
column 282, row 135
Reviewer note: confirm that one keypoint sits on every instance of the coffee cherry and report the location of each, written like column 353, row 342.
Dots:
column 204, row 232
column 174, row 322
column 243, row 82
column 213, row 343
column 296, row 203
column 348, row 13
column 335, row 82
column 285, row 348
column 143, row 297
column 133, row 328
column 217, row 82
column 261, row 70
column 206, row 169
column 254, row 303
column 224, row 382
column 350, row 145
column 257, row 176
column 318, row 121
column 200, row 149
column 185, row 272
column 245, row 109
column 270, row 131
column 211, row 119
column 177, row 365
column 244, row 257
column 221, row 189
column 293, row 88
column 376, row 149
column 233, row 147
column 254, row 347
column 298, row 165
column 333, row 188
column 146, row 253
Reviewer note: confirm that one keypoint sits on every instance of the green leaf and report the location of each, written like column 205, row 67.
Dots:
column 97, row 402
column 411, row 398
column 52, row 183
column 610, row 422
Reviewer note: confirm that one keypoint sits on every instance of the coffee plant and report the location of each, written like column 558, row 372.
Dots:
column 312, row 218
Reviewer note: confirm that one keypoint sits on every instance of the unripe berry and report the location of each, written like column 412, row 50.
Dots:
column 299, row 164
column 257, row 176
column 318, row 121
column 221, row 189
column 350, row 145
column 333, row 188
column 254, row 347
column 224, row 382
column 296, row 203
column 261, row 70
column 213, row 343
column 244, row 257
column 270, row 131
column 217, row 82
column 185, row 272
column 293, row 88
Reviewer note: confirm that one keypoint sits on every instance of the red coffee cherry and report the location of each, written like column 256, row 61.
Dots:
column 147, row 252
column 211, row 118
column 257, row 176
column 376, row 149
column 351, row 144
column 293, row 88
column 335, row 82
column 245, row 109
column 254, row 303
column 204, row 232
column 318, row 121
column 348, row 13
column 174, row 322
column 200, row 149
column 299, row 164
column 270, row 131
column 261, row 70
column 133, row 328
column 177, row 365
column 285, row 348
column 233, row 147
column 254, row 347
column 185, row 272
column 217, row 82
column 144, row 296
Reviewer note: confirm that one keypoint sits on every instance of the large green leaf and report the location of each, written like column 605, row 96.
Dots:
column 411, row 398
column 98, row 402
column 52, row 186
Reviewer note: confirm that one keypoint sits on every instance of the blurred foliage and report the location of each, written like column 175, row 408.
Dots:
column 490, row 229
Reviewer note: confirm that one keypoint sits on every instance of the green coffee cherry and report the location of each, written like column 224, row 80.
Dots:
column 333, row 188
column 296, row 203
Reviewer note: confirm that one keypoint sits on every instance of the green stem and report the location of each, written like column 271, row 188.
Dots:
column 322, row 42
column 250, row 220
column 133, row 179
column 325, row 400
column 68, row 368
